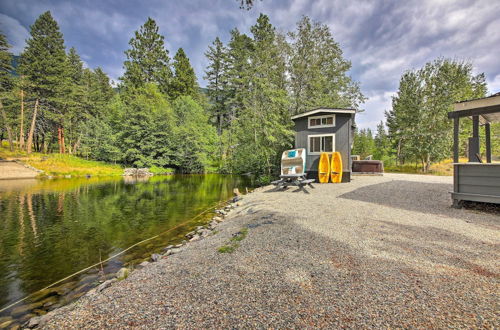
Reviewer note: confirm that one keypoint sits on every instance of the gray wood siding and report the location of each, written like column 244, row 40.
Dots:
column 478, row 179
column 343, row 139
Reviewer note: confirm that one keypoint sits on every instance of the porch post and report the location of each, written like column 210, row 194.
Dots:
column 474, row 140
column 487, row 131
column 456, row 126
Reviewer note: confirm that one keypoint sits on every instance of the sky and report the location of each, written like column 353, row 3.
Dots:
column 382, row 39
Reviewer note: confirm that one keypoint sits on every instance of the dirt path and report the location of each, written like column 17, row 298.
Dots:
column 14, row 170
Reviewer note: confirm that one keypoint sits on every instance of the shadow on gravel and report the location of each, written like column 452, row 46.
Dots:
column 428, row 198
column 298, row 189
column 444, row 248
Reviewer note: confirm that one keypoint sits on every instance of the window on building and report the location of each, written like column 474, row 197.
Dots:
column 322, row 121
column 321, row 143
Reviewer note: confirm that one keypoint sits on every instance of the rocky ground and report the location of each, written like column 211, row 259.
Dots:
column 377, row 252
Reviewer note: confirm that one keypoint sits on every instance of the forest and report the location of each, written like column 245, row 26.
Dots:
column 157, row 115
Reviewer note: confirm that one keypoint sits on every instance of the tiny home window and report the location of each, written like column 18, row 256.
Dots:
column 321, row 121
column 321, row 143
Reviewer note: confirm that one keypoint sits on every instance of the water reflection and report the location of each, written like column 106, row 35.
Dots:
column 52, row 228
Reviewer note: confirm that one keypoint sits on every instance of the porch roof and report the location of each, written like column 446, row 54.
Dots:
column 487, row 108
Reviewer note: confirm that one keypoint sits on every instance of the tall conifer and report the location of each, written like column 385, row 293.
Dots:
column 184, row 80
column 147, row 59
column 45, row 67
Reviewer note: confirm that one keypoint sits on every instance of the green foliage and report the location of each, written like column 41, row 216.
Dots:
column 195, row 138
column 145, row 127
column 381, row 143
column 318, row 71
column 45, row 67
column 256, row 83
column 5, row 65
column 161, row 170
column 147, row 59
column 99, row 141
column 419, row 128
column 364, row 144
column 184, row 80
column 263, row 127
column 216, row 76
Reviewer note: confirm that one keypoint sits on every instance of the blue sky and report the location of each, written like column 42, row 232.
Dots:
column 382, row 39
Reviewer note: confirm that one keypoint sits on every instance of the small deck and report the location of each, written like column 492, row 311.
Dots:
column 476, row 180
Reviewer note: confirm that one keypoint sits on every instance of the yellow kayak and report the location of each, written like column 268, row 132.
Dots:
column 336, row 167
column 324, row 167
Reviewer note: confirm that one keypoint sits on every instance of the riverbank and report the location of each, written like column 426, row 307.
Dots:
column 58, row 165
column 378, row 252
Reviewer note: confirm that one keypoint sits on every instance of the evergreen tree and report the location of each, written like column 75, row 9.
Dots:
column 5, row 85
column 364, row 145
column 195, row 138
column 5, row 65
column 318, row 71
column 240, row 48
column 145, row 127
column 263, row 128
column 76, row 100
column 184, row 80
column 147, row 59
column 44, row 65
column 381, row 150
column 216, row 76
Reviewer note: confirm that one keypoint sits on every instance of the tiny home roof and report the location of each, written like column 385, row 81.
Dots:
column 324, row 110
column 487, row 108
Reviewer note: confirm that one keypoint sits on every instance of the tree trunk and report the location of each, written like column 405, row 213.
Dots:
column 7, row 128
column 77, row 144
column 32, row 129
column 60, row 139
column 63, row 144
column 21, row 128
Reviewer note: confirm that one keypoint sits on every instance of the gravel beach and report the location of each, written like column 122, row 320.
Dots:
column 386, row 251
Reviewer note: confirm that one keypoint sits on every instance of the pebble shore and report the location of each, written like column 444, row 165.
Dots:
column 377, row 252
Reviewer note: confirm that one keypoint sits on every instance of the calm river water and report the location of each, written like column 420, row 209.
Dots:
column 50, row 229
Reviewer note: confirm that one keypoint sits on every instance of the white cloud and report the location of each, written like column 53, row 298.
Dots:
column 375, row 107
column 15, row 32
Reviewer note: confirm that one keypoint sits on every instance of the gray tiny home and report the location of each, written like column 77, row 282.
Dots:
column 325, row 130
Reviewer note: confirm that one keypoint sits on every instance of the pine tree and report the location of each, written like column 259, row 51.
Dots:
column 364, row 144
column 147, row 59
column 44, row 65
column 216, row 75
column 5, row 84
column 264, row 124
column 5, row 65
column 184, row 80
column 240, row 48
column 195, row 138
column 381, row 150
column 318, row 70
column 76, row 100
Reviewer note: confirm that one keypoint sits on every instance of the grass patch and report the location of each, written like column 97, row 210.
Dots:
column 234, row 241
column 239, row 236
column 63, row 164
column 444, row 168
column 227, row 248
column 156, row 170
